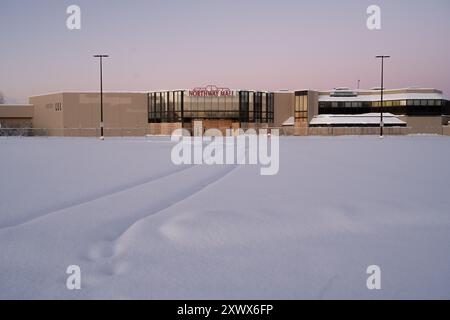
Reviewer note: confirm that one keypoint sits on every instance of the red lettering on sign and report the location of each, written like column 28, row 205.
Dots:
column 210, row 91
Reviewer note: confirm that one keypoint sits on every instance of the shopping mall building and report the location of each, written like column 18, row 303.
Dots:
column 301, row 112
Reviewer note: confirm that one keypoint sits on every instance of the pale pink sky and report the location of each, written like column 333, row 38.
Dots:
column 253, row 44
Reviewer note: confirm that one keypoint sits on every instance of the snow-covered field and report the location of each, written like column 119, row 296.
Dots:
column 141, row 227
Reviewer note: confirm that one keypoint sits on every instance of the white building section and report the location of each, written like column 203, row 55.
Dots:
column 362, row 120
column 374, row 95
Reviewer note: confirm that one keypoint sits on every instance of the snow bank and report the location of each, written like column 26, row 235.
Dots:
column 140, row 227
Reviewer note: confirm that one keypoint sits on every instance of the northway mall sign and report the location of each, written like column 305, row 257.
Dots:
column 210, row 91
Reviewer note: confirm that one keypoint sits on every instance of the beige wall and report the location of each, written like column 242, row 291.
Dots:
column 283, row 107
column 426, row 125
column 82, row 110
column 313, row 105
column 16, row 111
column 46, row 115
column 80, row 114
column 125, row 114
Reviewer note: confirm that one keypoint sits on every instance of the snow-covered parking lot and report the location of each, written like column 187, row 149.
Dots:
column 140, row 227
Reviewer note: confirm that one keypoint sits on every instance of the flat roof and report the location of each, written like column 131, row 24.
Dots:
column 355, row 119
column 89, row 92
column 389, row 94
column 324, row 95
column 376, row 97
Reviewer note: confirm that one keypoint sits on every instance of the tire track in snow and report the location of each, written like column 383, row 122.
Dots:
column 200, row 189
column 96, row 196
column 106, row 250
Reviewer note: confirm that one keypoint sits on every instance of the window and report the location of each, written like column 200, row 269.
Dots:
column 264, row 107
column 153, row 107
column 177, row 106
column 258, row 107
column 301, row 107
column 244, row 106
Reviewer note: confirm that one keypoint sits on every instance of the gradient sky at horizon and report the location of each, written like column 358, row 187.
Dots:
column 252, row 44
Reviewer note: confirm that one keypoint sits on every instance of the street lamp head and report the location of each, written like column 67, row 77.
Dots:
column 101, row 56
column 382, row 57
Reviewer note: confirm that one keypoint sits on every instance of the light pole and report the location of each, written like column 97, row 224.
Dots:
column 382, row 92
column 101, row 56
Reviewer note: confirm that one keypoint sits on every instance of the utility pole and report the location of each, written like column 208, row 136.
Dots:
column 101, row 56
column 382, row 57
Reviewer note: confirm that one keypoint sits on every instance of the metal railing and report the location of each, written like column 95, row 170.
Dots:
column 283, row 131
column 77, row 132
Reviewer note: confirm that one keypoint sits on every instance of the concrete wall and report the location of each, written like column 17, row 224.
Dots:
column 46, row 115
column 83, row 111
column 124, row 113
column 283, row 107
column 424, row 125
column 313, row 104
